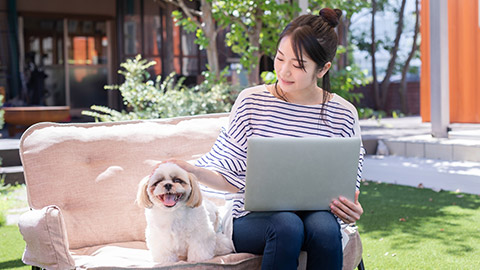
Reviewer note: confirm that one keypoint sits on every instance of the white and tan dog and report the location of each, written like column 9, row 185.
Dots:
column 180, row 224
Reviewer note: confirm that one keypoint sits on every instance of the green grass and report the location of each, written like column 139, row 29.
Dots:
column 11, row 243
column 410, row 228
column 11, row 249
column 402, row 228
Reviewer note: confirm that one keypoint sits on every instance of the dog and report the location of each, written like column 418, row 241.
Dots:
column 181, row 225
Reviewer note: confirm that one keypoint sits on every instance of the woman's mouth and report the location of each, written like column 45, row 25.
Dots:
column 285, row 82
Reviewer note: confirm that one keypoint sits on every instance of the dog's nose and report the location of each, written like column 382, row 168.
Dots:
column 168, row 186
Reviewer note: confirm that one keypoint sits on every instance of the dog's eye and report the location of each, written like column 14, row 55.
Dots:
column 178, row 180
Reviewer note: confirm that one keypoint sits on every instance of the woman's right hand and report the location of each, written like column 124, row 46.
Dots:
column 182, row 164
column 207, row 177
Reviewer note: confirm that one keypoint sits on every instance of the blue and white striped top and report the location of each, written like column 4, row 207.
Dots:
column 258, row 113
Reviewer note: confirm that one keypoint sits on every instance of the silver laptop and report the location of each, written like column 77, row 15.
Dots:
column 294, row 174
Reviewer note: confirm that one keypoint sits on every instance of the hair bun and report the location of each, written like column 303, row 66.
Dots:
column 331, row 16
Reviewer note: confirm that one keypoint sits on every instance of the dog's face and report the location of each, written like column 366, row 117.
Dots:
column 169, row 187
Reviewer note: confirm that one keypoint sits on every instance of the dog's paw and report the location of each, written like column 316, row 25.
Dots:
column 223, row 245
column 165, row 258
column 201, row 254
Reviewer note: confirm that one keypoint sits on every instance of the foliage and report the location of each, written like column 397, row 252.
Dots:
column 252, row 27
column 190, row 26
column 365, row 113
column 269, row 77
column 244, row 17
column 387, row 43
column 9, row 198
column 344, row 81
column 148, row 99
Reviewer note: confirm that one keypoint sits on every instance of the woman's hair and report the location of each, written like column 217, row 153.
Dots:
column 315, row 36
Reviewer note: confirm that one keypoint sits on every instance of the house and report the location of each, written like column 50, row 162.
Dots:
column 63, row 52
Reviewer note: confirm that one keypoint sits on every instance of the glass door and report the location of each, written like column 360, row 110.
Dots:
column 87, row 48
column 77, row 82
column 43, row 62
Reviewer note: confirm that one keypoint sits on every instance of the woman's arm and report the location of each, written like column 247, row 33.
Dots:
column 346, row 210
column 207, row 177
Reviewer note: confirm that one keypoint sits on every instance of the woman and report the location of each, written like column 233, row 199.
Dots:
column 293, row 106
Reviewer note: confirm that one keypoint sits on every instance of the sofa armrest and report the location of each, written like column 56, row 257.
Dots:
column 352, row 253
column 46, row 239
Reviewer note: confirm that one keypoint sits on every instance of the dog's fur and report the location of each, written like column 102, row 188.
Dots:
column 180, row 224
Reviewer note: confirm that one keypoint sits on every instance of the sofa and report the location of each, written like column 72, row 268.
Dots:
column 81, row 181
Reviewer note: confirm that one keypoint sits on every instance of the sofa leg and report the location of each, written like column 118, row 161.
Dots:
column 360, row 265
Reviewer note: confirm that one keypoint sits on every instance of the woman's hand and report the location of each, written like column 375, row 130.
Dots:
column 182, row 164
column 207, row 177
column 346, row 210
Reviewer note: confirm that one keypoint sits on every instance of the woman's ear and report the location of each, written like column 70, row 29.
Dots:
column 324, row 70
column 142, row 196
column 195, row 199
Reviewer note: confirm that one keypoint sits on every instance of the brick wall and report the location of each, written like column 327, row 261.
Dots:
column 393, row 100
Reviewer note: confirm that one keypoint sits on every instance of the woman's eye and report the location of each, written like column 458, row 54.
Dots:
column 299, row 67
column 279, row 59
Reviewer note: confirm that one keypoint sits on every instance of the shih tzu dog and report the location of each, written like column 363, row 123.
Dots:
column 180, row 224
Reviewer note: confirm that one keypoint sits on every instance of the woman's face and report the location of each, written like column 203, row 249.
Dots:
column 291, row 77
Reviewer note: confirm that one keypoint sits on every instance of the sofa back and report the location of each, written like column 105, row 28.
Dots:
column 91, row 170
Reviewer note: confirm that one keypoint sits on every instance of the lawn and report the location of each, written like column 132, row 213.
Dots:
column 402, row 228
column 11, row 243
column 412, row 228
column 11, row 248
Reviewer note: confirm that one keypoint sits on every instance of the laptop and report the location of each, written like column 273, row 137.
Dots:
column 300, row 174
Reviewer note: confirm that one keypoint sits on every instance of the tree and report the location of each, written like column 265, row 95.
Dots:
column 385, row 84
column 413, row 51
column 376, row 87
column 380, row 89
column 347, row 75
column 206, row 29
column 254, row 27
column 348, row 8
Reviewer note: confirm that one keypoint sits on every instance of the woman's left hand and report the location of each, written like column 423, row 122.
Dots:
column 346, row 210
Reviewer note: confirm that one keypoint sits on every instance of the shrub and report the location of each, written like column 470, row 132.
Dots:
column 148, row 99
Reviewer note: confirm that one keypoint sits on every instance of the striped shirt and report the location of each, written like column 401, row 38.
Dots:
column 258, row 113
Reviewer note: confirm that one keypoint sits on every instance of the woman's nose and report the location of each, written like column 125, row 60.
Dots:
column 285, row 70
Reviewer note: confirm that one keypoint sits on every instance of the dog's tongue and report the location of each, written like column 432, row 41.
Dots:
column 169, row 200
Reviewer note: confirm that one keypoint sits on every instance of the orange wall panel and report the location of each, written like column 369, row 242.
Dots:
column 464, row 61
column 425, row 58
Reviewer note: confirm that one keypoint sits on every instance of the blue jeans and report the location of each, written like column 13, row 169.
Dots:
column 280, row 236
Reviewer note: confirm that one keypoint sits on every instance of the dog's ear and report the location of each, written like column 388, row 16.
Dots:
column 142, row 196
column 195, row 199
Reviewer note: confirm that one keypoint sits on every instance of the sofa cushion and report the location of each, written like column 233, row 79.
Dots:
column 134, row 255
column 91, row 171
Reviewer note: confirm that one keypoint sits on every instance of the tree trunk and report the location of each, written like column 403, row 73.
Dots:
column 393, row 57
column 403, row 84
column 376, row 88
column 343, row 40
column 254, row 38
column 209, row 28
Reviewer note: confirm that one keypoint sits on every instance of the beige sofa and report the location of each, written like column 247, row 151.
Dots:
column 81, row 182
